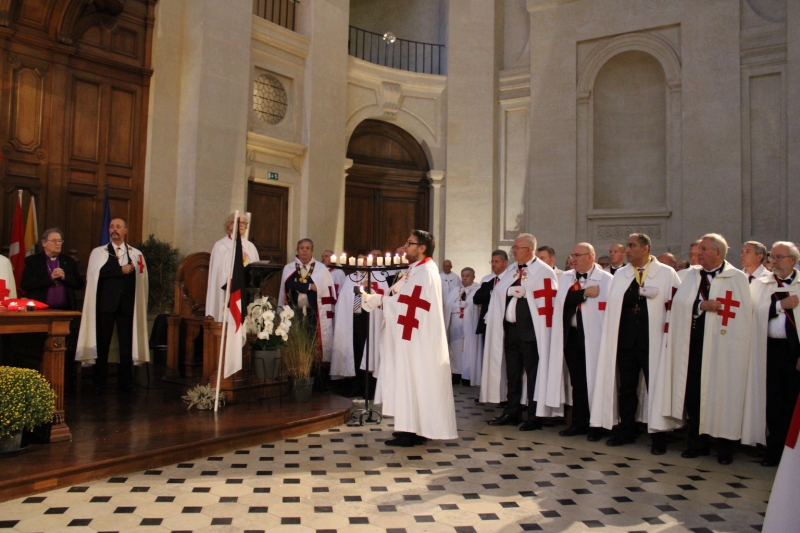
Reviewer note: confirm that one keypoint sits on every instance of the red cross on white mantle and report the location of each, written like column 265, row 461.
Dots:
column 330, row 299
column 727, row 303
column 548, row 293
column 141, row 264
column 409, row 320
column 4, row 292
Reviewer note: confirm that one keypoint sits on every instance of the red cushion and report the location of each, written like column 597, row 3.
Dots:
column 22, row 302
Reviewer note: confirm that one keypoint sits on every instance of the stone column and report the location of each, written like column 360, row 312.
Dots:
column 435, row 179
column 793, row 116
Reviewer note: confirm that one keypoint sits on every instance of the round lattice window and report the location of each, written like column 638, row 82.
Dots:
column 269, row 99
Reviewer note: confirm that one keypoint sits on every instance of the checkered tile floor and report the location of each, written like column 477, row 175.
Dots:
column 346, row 480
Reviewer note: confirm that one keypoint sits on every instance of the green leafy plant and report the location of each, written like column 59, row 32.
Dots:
column 302, row 350
column 162, row 263
column 202, row 396
column 26, row 401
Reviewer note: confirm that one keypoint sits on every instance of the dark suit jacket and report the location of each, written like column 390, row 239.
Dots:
column 116, row 292
column 482, row 297
column 36, row 278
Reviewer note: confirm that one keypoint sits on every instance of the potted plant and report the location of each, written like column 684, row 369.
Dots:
column 267, row 332
column 162, row 264
column 299, row 357
column 27, row 400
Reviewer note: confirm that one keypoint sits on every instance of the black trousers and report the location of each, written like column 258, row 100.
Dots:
column 783, row 387
column 520, row 355
column 575, row 357
column 630, row 362
column 105, row 329
column 360, row 336
column 695, row 440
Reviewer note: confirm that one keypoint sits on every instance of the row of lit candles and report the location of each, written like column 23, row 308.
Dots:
column 370, row 261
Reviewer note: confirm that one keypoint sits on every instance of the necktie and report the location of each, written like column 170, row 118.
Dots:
column 496, row 280
column 357, row 303
column 751, row 278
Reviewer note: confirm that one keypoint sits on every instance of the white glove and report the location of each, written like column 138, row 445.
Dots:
column 648, row 292
column 517, row 292
column 370, row 301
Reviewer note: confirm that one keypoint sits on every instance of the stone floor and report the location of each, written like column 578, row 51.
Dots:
column 346, row 480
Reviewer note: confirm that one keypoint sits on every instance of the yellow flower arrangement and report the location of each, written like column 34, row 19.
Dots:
column 26, row 400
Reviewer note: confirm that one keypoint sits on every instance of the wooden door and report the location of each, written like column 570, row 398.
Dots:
column 386, row 192
column 269, row 225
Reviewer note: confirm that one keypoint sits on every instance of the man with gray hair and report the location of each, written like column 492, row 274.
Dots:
column 518, row 324
column 708, row 351
column 753, row 257
column 774, row 376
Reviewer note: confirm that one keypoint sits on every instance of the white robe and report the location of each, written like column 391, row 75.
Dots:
column 754, row 423
column 473, row 343
column 338, row 276
column 219, row 272
column 604, row 411
column 592, row 313
column 458, row 325
column 493, row 381
column 726, row 354
column 450, row 282
column 86, row 351
column 537, row 278
column 414, row 376
column 7, row 275
column 343, row 358
column 325, row 309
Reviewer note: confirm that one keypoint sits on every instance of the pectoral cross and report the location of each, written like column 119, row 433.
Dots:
column 409, row 320
column 636, row 309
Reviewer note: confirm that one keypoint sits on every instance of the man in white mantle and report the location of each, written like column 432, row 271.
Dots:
column 461, row 320
column 581, row 305
column 308, row 287
column 518, row 325
column 414, row 382
column 708, row 351
column 630, row 347
column 219, row 266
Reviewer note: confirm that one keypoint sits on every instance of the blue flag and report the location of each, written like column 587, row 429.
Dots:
column 105, row 238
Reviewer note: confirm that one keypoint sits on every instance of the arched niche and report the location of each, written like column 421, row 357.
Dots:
column 605, row 216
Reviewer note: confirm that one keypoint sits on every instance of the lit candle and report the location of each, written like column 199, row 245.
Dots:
column 369, row 260
column 388, row 259
column 361, row 261
column 396, row 259
column 405, row 260
column 333, row 258
column 352, row 261
column 343, row 259
column 379, row 261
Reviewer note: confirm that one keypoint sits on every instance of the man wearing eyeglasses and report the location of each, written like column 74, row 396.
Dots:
column 774, row 376
column 708, row 351
column 630, row 348
column 414, row 382
column 50, row 276
column 580, row 304
column 518, row 325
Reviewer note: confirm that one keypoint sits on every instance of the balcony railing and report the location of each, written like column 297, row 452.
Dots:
column 396, row 53
column 280, row 12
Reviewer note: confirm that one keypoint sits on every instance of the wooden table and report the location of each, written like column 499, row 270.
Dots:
column 56, row 325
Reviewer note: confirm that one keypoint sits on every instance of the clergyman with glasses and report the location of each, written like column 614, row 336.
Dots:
column 50, row 276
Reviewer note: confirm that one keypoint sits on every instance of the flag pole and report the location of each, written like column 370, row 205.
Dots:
column 225, row 315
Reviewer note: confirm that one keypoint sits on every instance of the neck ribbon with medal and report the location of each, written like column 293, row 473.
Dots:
column 300, row 276
column 640, row 277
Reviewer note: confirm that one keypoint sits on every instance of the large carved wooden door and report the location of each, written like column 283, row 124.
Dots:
column 386, row 193
column 269, row 225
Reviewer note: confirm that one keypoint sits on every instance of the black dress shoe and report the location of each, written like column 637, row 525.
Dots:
column 502, row 404
column 694, row 454
column 406, row 440
column 505, row 420
column 658, row 449
column 531, row 425
column 770, row 462
column 573, row 431
column 619, row 440
column 594, row 435
column 725, row 458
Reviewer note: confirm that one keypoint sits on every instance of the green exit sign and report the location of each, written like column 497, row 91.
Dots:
column 273, row 176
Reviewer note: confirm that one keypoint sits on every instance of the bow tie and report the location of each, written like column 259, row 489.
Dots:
column 522, row 265
column 788, row 281
column 711, row 273
column 581, row 276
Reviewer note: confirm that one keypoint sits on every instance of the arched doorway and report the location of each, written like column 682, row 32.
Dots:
column 386, row 192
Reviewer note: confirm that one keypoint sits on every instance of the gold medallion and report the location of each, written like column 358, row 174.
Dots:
column 723, row 332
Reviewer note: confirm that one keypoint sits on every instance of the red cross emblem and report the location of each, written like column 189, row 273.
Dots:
column 414, row 302
column 727, row 303
column 601, row 306
column 141, row 263
column 548, row 293
column 4, row 292
column 331, row 299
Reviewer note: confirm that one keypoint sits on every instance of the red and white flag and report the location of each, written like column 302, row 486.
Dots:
column 235, row 335
column 16, row 251
column 783, row 512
